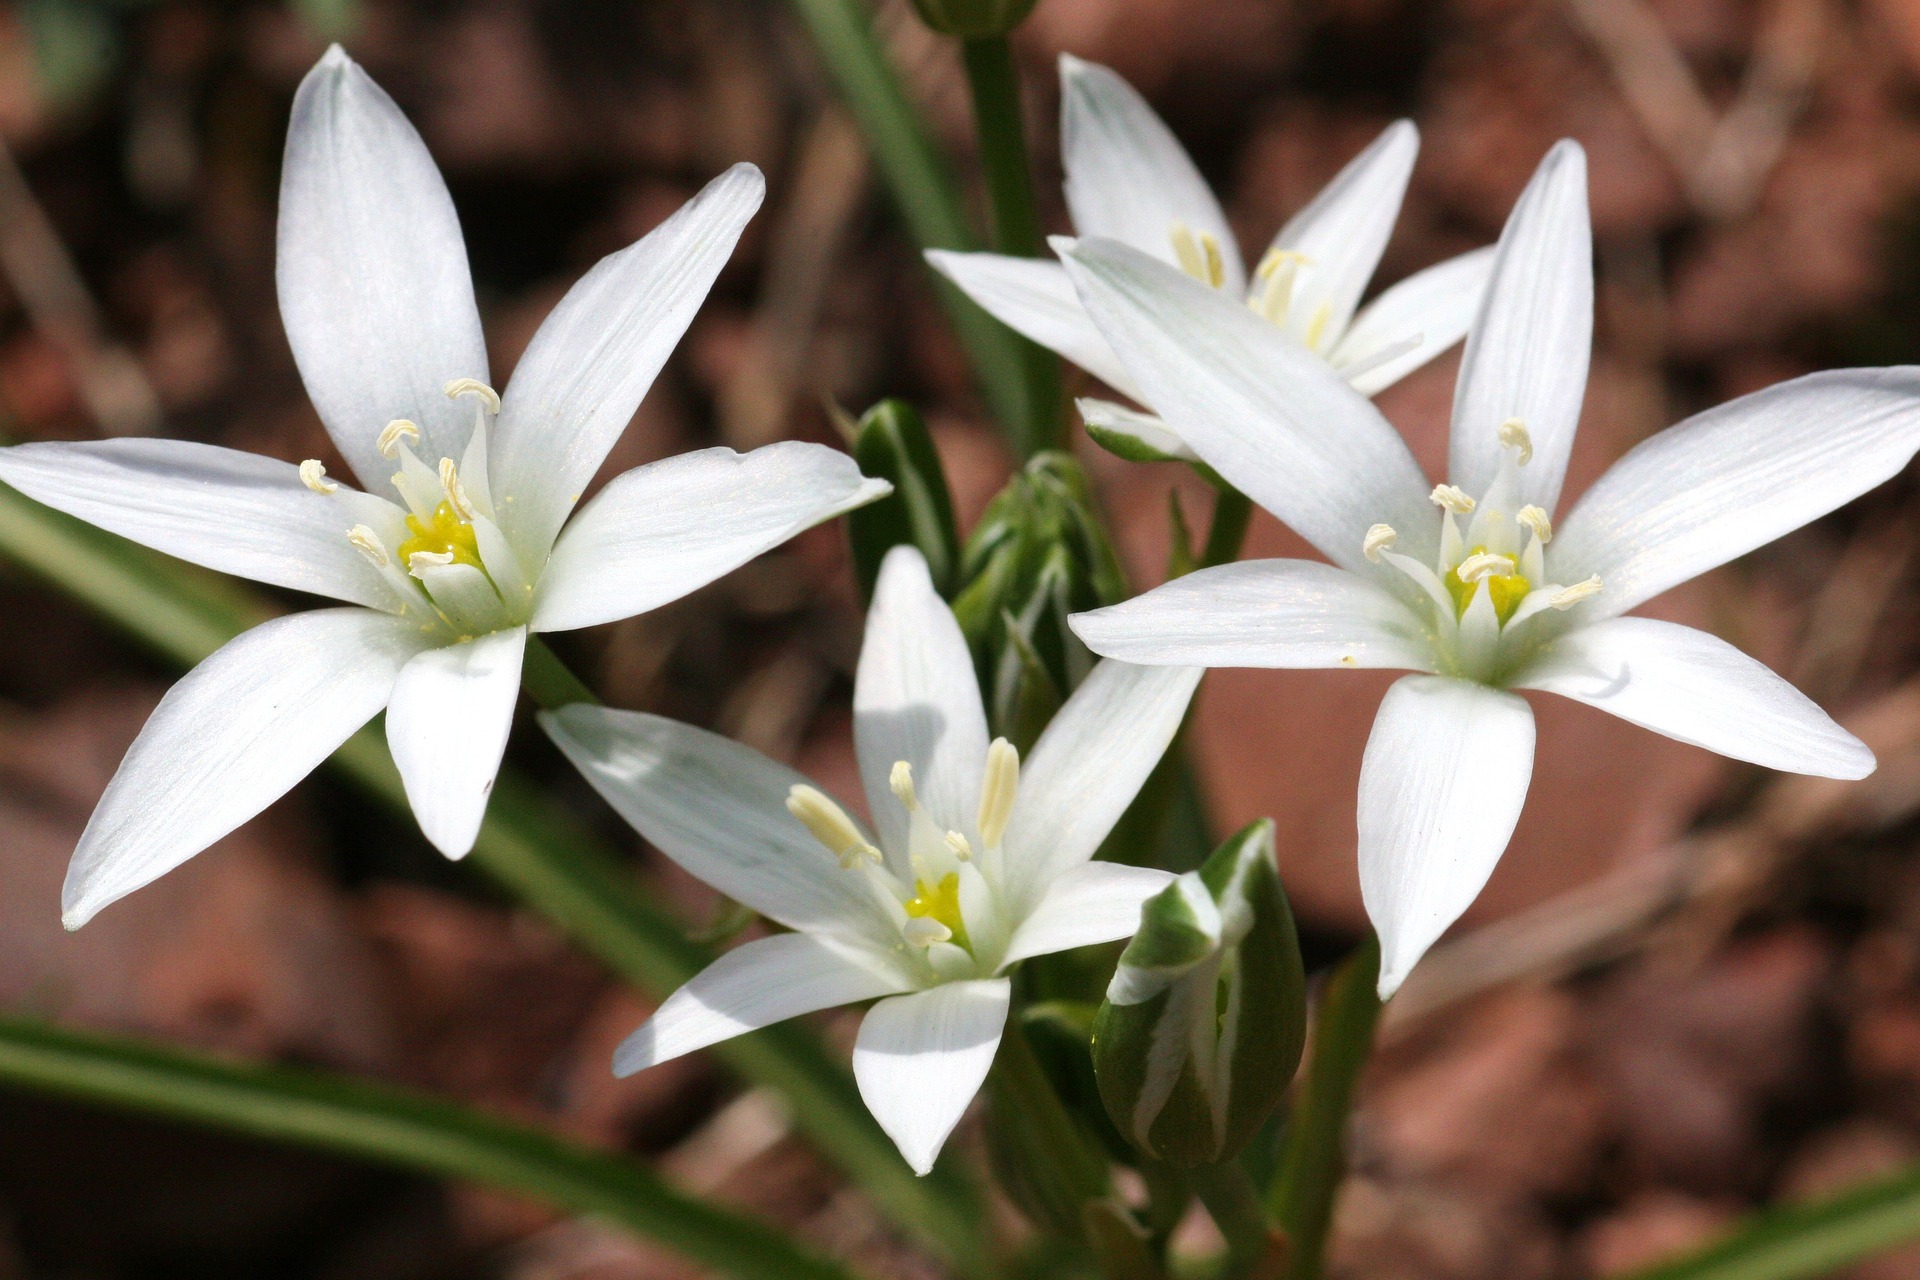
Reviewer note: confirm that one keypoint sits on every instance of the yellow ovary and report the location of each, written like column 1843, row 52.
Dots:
column 447, row 535
column 1506, row 589
column 940, row 903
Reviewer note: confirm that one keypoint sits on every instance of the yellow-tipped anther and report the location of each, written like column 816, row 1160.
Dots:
column 1574, row 594
column 1379, row 538
column 1198, row 254
column 368, row 544
column 1485, row 564
column 961, row 848
column 998, row 788
column 828, row 823
column 1513, row 434
column 393, row 433
column 456, row 492
column 901, row 780
column 1536, row 519
column 313, row 474
column 1453, row 498
column 474, row 387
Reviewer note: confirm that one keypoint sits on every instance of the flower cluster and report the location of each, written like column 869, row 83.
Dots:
column 463, row 542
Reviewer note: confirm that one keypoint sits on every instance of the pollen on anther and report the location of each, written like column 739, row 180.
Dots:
column 1513, row 434
column 456, row 492
column 1379, row 538
column 997, row 790
column 1453, row 498
column 368, row 544
column 393, row 433
column 1486, row 564
column 474, row 387
column 1536, row 519
column 313, row 474
column 960, row 846
column 420, row 561
column 901, row 781
column 924, row 931
column 1574, row 594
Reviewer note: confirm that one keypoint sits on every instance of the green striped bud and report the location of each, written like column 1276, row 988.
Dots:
column 973, row 19
column 1205, row 1018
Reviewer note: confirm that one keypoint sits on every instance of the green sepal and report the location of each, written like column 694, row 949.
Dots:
column 1205, row 1018
column 892, row 443
column 973, row 19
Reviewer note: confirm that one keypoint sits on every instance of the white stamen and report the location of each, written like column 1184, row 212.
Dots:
column 924, row 931
column 1513, row 434
column 1453, row 498
column 828, row 823
column 1485, row 565
column 960, row 846
column 313, row 474
column 1379, row 538
column 998, row 788
column 368, row 544
column 1386, row 354
column 393, row 433
column 1275, row 278
column 1199, row 255
column 474, row 387
column 420, row 561
column 1536, row 519
column 456, row 494
column 901, row 780
column 1574, row 594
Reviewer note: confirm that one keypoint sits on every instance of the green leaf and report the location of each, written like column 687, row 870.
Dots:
column 1204, row 1021
column 399, row 1127
column 534, row 848
column 892, row 443
column 1799, row 1242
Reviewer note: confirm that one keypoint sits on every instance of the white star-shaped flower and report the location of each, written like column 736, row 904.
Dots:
column 456, row 549
column 1128, row 179
column 1470, row 582
column 975, row 862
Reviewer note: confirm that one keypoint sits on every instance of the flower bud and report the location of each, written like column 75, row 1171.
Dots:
column 973, row 19
column 890, row 442
column 1205, row 1018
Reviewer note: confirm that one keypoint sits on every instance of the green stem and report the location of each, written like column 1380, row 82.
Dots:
column 1802, row 1241
column 1232, row 513
column 1000, row 126
column 1313, row 1157
column 923, row 191
column 1235, row 1208
column 399, row 1127
column 537, row 851
column 1040, row 1142
column 548, row 681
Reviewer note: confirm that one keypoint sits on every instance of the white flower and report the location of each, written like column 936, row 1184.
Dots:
column 456, row 551
column 1471, row 581
column 1128, row 179
column 975, row 861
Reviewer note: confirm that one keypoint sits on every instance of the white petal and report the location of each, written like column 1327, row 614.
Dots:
column 1434, row 306
column 239, row 513
column 1343, row 231
column 1133, row 435
column 1734, row 478
column 920, row 1059
column 1699, row 689
column 1128, row 177
column 1036, row 299
column 372, row 271
column 755, row 985
column 1261, row 613
column 596, row 354
column 1088, row 765
column 717, row 808
column 663, row 530
column 1527, row 354
column 447, row 728
column 1265, row 412
column 1441, row 785
column 916, row 699
column 234, row 735
column 1093, row 902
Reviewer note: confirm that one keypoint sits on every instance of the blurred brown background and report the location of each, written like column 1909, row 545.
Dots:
column 1691, row 988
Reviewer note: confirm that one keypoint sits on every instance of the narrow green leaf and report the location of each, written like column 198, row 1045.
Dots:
column 892, row 443
column 1800, row 1242
column 537, row 851
column 399, row 1127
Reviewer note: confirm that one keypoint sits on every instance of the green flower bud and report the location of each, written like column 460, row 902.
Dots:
column 1205, row 1018
column 890, row 442
column 973, row 19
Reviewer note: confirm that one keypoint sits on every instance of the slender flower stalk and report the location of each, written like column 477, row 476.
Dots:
column 1128, row 179
column 1470, row 583
column 461, row 545
column 976, row 859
